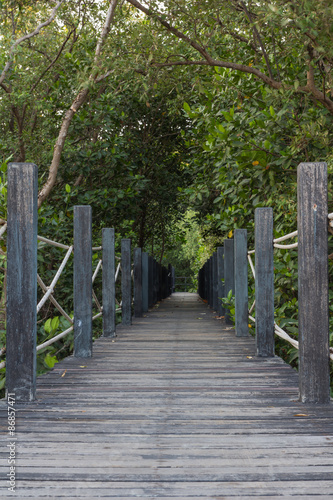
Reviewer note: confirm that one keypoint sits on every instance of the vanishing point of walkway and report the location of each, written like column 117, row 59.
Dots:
column 176, row 408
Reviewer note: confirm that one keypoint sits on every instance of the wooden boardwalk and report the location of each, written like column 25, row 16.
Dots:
column 176, row 408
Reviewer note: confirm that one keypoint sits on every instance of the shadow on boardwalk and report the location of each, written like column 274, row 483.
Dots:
column 177, row 407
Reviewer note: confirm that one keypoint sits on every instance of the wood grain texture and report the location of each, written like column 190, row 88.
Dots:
column 22, row 280
column 176, row 408
column 241, row 283
column 229, row 273
column 109, row 285
column 313, row 283
column 126, row 282
column 264, row 281
column 82, row 281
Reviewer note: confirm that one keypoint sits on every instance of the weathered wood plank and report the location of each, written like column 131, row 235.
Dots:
column 176, row 407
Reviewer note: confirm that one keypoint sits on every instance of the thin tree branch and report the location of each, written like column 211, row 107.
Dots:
column 208, row 59
column 26, row 37
column 52, row 63
column 257, row 35
column 76, row 104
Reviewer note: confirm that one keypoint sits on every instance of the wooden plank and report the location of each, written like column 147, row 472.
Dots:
column 176, row 407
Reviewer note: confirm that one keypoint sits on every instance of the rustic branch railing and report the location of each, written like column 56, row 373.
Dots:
column 152, row 282
column 313, row 333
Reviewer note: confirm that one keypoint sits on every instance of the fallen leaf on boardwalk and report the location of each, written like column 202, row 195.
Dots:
column 219, row 317
column 199, row 318
column 83, row 366
column 249, row 357
column 301, row 415
column 64, row 373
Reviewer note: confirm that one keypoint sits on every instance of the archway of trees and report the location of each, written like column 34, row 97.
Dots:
column 174, row 119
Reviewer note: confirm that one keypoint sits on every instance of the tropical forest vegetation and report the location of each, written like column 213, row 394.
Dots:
column 173, row 119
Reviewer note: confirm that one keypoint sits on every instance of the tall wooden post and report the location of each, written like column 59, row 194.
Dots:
column 150, row 281
column 126, row 282
column 155, row 275
column 313, row 310
column 108, row 283
column 82, row 281
column 173, row 280
column 206, row 285
column 241, row 284
column 215, row 281
column 229, row 279
column 137, row 258
column 145, row 281
column 21, row 280
column 220, row 278
column 264, row 281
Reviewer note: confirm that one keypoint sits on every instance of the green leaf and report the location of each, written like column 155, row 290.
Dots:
column 68, row 188
column 50, row 361
column 55, row 323
column 186, row 107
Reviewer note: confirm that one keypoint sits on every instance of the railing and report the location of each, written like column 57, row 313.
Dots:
column 232, row 262
column 183, row 283
column 152, row 282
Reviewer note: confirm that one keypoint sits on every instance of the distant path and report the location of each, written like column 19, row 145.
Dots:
column 177, row 407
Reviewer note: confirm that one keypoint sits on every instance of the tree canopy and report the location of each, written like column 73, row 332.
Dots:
column 173, row 119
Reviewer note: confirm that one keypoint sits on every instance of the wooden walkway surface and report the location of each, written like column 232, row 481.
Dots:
column 176, row 408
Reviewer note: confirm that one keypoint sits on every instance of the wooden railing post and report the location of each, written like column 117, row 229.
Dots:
column 229, row 280
column 21, row 280
column 215, row 282
column 241, row 283
column 210, row 282
column 155, row 273
column 137, row 259
column 206, row 294
column 220, row 278
column 150, row 281
column 126, row 282
column 108, row 283
column 82, row 281
column 313, row 310
column 169, row 279
column 264, row 281
column 145, row 281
